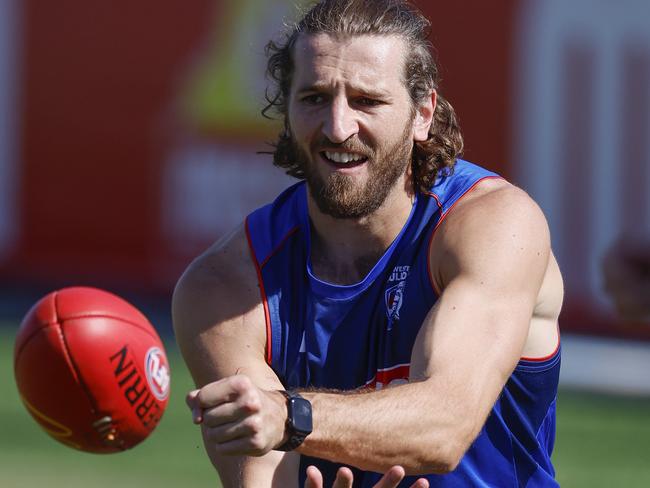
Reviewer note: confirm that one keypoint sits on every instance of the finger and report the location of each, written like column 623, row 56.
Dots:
column 247, row 427
column 314, row 478
column 193, row 404
column 391, row 478
column 224, row 391
column 421, row 483
column 241, row 446
column 224, row 414
column 344, row 478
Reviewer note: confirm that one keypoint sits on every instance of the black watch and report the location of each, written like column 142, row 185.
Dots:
column 299, row 423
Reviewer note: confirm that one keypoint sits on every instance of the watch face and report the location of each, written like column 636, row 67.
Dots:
column 301, row 415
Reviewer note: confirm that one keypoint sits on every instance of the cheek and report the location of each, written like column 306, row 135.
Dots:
column 297, row 121
column 303, row 128
column 392, row 133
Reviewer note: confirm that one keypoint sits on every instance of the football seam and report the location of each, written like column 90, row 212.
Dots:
column 120, row 319
column 76, row 371
column 70, row 359
column 85, row 316
column 28, row 338
column 66, row 352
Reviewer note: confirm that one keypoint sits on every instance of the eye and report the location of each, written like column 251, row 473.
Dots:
column 313, row 99
column 369, row 102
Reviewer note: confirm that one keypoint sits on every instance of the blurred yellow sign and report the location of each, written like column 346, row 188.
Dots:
column 225, row 90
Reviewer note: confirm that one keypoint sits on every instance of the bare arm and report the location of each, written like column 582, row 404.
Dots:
column 490, row 258
column 219, row 326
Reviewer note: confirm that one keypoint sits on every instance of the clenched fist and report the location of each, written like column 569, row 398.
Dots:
column 238, row 417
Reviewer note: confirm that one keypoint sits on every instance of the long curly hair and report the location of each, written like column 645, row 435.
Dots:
column 345, row 18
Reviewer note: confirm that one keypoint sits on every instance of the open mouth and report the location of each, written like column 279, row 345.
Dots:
column 343, row 159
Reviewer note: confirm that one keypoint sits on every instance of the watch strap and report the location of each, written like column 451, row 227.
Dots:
column 294, row 437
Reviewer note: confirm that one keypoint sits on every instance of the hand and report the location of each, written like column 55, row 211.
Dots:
column 239, row 418
column 344, row 479
column 626, row 269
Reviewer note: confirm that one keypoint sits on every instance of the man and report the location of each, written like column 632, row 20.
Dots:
column 407, row 300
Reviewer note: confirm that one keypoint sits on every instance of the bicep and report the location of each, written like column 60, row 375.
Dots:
column 471, row 341
column 225, row 353
column 218, row 316
column 217, row 347
column 493, row 269
column 220, row 329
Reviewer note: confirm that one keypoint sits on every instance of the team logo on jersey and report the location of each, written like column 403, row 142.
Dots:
column 400, row 273
column 394, row 295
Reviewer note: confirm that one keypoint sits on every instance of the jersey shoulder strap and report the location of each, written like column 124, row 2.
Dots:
column 268, row 226
column 453, row 184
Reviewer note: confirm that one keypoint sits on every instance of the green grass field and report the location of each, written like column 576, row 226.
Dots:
column 172, row 456
column 601, row 442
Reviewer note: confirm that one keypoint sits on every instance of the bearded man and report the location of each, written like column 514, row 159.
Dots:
column 396, row 311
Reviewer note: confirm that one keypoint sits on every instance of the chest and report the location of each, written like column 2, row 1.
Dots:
column 354, row 341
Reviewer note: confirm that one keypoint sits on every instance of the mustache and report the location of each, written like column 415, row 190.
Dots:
column 350, row 145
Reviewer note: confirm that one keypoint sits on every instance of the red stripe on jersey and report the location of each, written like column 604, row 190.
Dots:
column 267, row 314
column 444, row 215
column 386, row 376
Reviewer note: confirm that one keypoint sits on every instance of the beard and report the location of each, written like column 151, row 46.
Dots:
column 340, row 195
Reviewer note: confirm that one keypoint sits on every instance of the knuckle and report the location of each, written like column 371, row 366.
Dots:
column 250, row 403
column 202, row 398
column 240, row 383
column 191, row 397
column 257, row 445
column 253, row 425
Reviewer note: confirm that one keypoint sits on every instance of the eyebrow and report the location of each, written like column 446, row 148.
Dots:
column 367, row 91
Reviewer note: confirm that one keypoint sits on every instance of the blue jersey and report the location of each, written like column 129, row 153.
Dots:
column 346, row 337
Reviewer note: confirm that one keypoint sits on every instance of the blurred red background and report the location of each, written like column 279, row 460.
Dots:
column 137, row 128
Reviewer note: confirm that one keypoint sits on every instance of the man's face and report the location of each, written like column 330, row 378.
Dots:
column 351, row 120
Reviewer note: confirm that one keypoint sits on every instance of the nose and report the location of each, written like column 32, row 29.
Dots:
column 341, row 121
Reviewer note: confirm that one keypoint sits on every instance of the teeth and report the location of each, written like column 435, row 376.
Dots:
column 343, row 157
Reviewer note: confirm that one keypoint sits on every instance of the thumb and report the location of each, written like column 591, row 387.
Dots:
column 193, row 403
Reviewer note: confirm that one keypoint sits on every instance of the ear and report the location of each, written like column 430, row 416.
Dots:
column 424, row 118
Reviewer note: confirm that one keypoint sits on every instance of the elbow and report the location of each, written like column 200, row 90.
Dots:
column 441, row 455
column 422, row 456
column 449, row 461
column 444, row 461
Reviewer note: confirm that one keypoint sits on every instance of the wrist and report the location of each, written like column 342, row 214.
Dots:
column 281, row 419
column 298, row 424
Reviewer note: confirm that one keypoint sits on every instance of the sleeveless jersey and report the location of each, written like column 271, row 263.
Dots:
column 346, row 337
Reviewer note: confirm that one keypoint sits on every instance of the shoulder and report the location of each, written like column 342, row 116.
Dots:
column 216, row 304
column 225, row 269
column 494, row 202
column 494, row 223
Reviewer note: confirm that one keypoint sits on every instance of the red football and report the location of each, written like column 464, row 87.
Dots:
column 91, row 370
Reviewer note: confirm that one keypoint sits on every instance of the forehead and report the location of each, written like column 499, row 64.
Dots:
column 374, row 61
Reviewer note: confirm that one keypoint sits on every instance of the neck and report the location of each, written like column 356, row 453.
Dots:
column 344, row 251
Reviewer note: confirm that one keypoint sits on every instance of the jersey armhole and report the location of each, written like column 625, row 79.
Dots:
column 265, row 303
column 541, row 361
column 443, row 216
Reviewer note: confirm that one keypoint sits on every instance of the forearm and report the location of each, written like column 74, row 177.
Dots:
column 273, row 470
column 407, row 425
